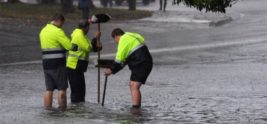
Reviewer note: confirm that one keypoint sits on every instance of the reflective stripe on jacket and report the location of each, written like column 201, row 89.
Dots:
column 79, row 59
column 131, row 51
column 54, row 44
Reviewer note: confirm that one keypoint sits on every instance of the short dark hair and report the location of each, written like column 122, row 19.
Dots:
column 83, row 24
column 58, row 16
column 117, row 32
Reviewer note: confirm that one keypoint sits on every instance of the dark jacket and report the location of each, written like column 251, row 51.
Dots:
column 140, row 56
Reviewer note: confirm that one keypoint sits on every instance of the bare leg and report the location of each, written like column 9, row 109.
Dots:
column 62, row 100
column 136, row 94
column 48, row 99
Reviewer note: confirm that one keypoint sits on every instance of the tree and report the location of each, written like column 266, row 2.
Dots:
column 146, row 2
column 91, row 5
column 67, row 6
column 208, row 5
column 118, row 2
column 132, row 5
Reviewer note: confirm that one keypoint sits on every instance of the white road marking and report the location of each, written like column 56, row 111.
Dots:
column 170, row 49
column 211, row 45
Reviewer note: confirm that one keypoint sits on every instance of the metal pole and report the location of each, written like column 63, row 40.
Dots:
column 104, row 92
column 98, row 76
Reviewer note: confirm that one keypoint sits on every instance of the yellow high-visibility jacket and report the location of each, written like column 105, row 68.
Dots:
column 54, row 44
column 129, row 42
column 131, row 51
column 78, row 60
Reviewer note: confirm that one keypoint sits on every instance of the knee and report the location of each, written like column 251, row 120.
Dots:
column 62, row 93
column 134, row 85
column 48, row 93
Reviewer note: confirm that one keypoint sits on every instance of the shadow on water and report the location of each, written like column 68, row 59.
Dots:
column 93, row 111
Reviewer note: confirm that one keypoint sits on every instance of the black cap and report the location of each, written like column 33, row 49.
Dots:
column 117, row 32
column 83, row 24
column 58, row 16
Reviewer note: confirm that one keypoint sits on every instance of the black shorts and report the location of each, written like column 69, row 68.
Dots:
column 56, row 78
column 141, row 71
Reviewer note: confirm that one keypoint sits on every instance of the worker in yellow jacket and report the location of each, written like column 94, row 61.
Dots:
column 78, row 58
column 54, row 44
column 133, row 52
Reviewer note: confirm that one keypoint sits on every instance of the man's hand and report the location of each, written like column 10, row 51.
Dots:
column 90, row 21
column 98, row 45
column 107, row 71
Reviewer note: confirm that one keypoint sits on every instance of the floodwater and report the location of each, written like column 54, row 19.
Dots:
column 230, row 91
column 201, row 75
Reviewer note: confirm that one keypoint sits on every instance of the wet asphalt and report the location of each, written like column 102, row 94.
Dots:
column 201, row 74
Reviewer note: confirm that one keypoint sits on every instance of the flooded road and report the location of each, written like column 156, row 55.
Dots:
column 229, row 91
column 202, row 74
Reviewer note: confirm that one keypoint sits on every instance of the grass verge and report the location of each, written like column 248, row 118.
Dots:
column 44, row 12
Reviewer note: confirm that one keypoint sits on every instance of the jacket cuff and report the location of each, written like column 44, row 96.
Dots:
column 94, row 45
column 116, row 67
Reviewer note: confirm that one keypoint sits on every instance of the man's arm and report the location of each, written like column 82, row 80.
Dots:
column 120, row 58
column 116, row 67
column 64, row 40
column 82, row 43
column 94, row 45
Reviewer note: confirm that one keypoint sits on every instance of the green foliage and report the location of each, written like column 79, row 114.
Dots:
column 208, row 5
